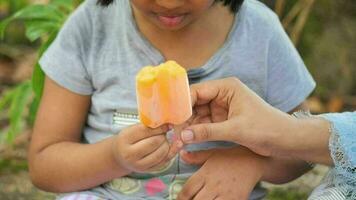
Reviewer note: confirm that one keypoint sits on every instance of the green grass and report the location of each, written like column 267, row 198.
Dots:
column 12, row 166
column 286, row 194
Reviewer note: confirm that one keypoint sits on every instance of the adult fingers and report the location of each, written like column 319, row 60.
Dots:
column 205, row 92
column 221, row 131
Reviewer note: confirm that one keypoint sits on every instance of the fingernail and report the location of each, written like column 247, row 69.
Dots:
column 187, row 135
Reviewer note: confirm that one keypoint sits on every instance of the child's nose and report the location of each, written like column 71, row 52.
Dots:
column 170, row 4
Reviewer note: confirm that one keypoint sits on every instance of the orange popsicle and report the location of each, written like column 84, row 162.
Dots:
column 163, row 95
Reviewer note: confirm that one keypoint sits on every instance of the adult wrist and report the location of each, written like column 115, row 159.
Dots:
column 311, row 138
column 281, row 141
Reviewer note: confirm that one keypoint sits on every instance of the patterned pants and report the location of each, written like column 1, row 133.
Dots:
column 80, row 196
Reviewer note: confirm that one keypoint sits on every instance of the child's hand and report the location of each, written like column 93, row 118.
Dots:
column 225, row 174
column 142, row 149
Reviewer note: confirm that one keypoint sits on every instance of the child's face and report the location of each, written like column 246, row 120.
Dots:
column 171, row 14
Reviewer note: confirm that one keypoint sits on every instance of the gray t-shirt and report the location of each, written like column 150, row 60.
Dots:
column 99, row 51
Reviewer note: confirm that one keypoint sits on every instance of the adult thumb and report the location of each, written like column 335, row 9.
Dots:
column 198, row 133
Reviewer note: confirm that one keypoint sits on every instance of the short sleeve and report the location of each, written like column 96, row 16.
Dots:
column 288, row 81
column 64, row 60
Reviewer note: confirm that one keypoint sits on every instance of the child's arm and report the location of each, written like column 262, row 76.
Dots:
column 59, row 163
column 229, row 173
column 57, row 160
column 232, row 173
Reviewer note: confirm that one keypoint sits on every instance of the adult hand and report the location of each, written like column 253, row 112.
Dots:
column 225, row 174
column 232, row 112
column 228, row 110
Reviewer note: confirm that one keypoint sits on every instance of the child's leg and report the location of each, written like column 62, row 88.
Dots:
column 79, row 196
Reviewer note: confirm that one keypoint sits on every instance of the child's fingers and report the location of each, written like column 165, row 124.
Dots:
column 147, row 146
column 160, row 166
column 154, row 158
column 198, row 157
column 174, row 148
column 141, row 132
column 192, row 187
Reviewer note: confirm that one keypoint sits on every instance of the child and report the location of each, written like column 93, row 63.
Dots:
column 85, row 139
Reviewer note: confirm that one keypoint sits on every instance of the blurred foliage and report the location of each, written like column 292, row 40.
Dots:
column 42, row 22
column 13, row 6
column 328, row 47
column 282, row 194
column 8, row 7
column 14, row 102
column 12, row 165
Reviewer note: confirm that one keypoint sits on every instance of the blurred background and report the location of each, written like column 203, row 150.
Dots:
column 324, row 31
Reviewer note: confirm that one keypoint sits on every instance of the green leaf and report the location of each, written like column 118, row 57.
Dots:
column 38, row 81
column 35, row 12
column 33, row 110
column 3, row 26
column 5, row 101
column 67, row 5
column 40, row 11
column 38, row 28
column 6, row 98
column 17, row 108
column 38, row 75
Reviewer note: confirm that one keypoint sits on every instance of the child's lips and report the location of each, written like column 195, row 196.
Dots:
column 170, row 21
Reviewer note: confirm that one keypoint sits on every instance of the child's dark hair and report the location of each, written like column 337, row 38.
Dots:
column 233, row 4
